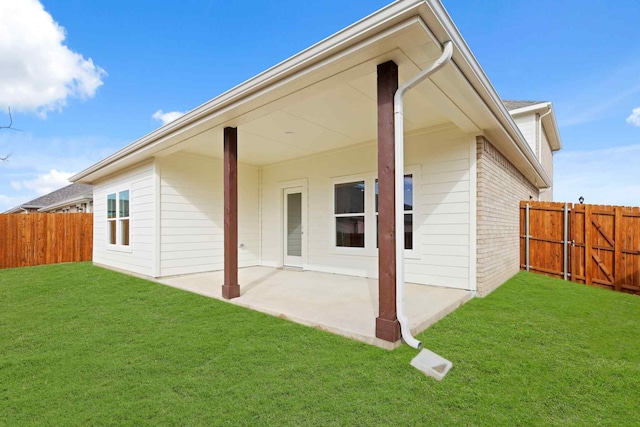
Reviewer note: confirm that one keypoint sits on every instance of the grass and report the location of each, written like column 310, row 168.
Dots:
column 80, row 345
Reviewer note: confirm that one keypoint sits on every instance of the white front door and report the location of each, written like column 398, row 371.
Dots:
column 293, row 226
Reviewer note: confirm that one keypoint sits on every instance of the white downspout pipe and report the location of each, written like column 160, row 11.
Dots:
column 398, row 111
column 539, row 147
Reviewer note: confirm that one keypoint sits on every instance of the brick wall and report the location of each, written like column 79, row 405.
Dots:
column 500, row 189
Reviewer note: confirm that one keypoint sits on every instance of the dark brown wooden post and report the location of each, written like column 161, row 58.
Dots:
column 387, row 326
column 230, row 288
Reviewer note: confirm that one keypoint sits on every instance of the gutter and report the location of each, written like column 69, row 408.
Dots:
column 335, row 45
column 398, row 108
column 539, row 141
column 556, row 143
column 377, row 22
column 78, row 199
column 494, row 103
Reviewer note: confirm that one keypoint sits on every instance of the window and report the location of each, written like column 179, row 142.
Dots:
column 349, row 214
column 408, row 212
column 356, row 213
column 118, row 218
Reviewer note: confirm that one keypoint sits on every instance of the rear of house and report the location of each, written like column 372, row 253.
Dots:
column 299, row 159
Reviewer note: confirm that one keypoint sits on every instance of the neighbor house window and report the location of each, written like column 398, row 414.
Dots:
column 349, row 214
column 408, row 211
column 118, row 218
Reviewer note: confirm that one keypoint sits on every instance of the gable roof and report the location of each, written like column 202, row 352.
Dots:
column 546, row 114
column 409, row 32
column 515, row 105
column 72, row 191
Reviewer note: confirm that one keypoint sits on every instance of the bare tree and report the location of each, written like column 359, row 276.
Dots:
column 9, row 126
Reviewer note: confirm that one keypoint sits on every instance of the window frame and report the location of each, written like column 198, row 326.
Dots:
column 118, row 246
column 409, row 253
column 370, row 214
column 350, row 215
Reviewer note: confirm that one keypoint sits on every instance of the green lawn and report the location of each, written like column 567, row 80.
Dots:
column 80, row 345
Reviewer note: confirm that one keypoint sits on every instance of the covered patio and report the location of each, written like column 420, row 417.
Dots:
column 342, row 305
column 297, row 167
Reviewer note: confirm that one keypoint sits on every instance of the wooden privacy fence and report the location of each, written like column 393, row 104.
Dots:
column 34, row 239
column 591, row 244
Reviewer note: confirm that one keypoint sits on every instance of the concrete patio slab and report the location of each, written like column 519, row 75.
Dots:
column 343, row 305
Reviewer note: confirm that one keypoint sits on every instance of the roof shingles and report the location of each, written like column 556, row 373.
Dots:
column 58, row 195
column 515, row 104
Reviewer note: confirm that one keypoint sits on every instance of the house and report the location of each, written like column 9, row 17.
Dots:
column 296, row 168
column 538, row 125
column 72, row 198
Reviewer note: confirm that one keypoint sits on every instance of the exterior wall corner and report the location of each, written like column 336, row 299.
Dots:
column 500, row 188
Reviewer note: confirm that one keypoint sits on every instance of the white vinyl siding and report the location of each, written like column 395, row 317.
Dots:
column 527, row 125
column 441, row 209
column 139, row 257
column 547, row 164
column 192, row 215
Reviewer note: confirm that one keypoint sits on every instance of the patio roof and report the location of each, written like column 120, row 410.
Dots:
column 343, row 305
column 324, row 99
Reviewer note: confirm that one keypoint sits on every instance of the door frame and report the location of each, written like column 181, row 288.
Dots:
column 283, row 188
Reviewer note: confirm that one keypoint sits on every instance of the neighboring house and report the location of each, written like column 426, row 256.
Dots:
column 69, row 199
column 538, row 125
column 299, row 150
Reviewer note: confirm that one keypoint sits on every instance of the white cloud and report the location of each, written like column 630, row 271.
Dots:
column 595, row 108
column 166, row 117
column 47, row 182
column 608, row 176
column 634, row 118
column 33, row 157
column 8, row 202
column 28, row 189
column 38, row 72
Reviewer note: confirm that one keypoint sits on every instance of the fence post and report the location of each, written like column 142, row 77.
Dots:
column 619, row 262
column 588, row 271
column 565, row 242
column 526, row 237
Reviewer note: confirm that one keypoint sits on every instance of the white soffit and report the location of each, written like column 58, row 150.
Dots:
column 345, row 67
column 461, row 92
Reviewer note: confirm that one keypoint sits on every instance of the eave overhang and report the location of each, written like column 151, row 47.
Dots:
column 85, row 198
column 478, row 108
column 548, row 121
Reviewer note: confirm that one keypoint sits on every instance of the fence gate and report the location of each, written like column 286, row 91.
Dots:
column 590, row 244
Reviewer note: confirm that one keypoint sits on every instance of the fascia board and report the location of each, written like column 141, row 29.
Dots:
column 543, row 106
column 549, row 121
column 12, row 210
column 80, row 199
column 378, row 21
column 468, row 64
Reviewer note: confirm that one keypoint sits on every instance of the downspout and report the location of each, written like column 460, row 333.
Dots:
column 399, row 178
column 539, row 153
column 539, row 147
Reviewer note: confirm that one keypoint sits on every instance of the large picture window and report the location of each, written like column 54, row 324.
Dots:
column 349, row 213
column 118, row 231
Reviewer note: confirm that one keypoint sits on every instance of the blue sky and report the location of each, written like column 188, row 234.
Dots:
column 80, row 98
